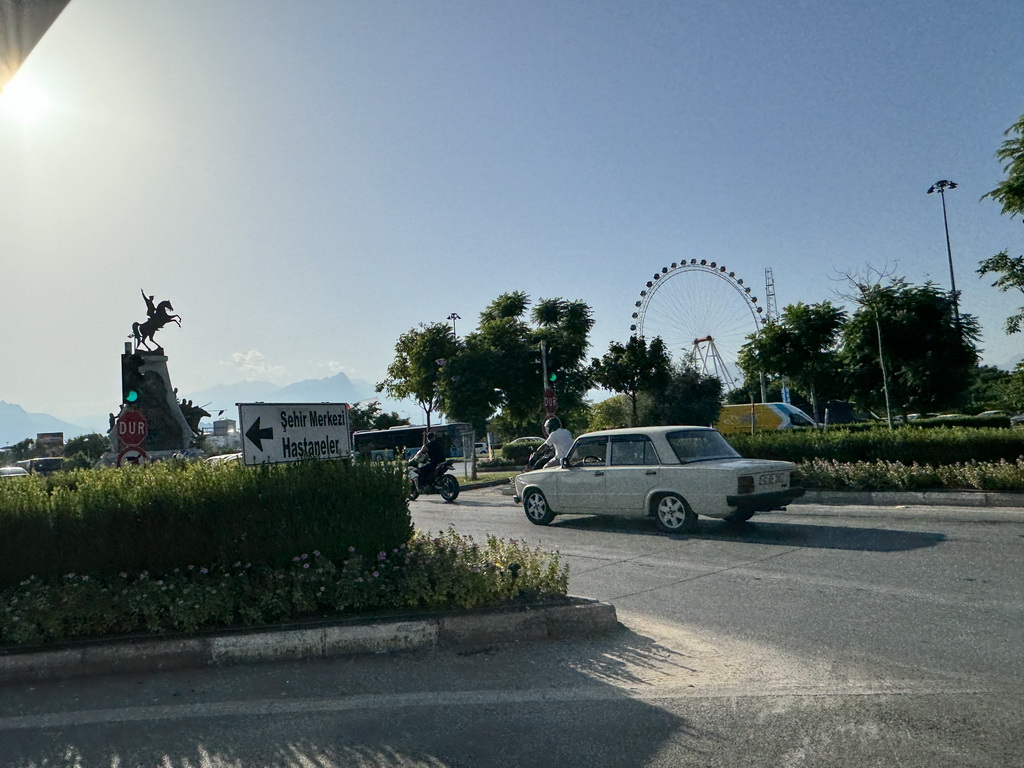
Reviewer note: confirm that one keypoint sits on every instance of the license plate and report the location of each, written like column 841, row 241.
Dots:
column 772, row 478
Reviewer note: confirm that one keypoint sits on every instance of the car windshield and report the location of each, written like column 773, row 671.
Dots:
column 700, row 445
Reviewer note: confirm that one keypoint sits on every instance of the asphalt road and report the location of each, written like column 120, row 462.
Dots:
column 818, row 637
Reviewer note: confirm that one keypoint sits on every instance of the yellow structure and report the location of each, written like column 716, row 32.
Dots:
column 755, row 417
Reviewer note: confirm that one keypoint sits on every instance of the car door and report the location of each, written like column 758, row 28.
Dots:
column 632, row 469
column 581, row 480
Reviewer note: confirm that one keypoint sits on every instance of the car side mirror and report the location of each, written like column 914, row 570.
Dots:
column 565, row 463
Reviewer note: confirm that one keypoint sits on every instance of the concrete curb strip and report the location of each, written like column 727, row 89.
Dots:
column 914, row 498
column 471, row 631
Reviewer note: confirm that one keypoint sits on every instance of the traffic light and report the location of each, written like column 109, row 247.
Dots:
column 552, row 377
column 131, row 395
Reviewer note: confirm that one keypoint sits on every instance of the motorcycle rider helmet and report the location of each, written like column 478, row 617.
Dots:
column 552, row 424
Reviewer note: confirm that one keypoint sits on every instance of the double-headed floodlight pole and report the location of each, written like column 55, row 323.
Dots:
column 941, row 186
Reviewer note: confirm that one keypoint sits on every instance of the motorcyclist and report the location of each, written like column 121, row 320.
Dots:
column 433, row 452
column 559, row 440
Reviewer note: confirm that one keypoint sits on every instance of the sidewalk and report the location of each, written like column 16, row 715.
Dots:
column 462, row 631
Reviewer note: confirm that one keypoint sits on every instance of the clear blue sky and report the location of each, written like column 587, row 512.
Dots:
column 305, row 181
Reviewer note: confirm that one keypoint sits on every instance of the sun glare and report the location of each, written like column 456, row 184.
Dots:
column 24, row 101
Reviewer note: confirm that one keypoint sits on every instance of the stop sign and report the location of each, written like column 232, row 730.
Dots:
column 550, row 401
column 132, row 428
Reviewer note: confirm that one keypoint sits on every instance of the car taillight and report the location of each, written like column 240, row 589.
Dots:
column 745, row 484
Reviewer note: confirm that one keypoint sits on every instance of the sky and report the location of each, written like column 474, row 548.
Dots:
column 306, row 181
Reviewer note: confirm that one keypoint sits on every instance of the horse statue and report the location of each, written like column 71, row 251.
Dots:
column 193, row 414
column 159, row 316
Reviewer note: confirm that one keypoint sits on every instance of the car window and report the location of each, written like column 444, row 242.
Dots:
column 589, row 451
column 633, row 450
column 700, row 445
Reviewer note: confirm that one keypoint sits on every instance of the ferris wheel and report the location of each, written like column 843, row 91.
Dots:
column 704, row 314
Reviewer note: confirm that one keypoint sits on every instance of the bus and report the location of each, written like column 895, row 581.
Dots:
column 43, row 465
column 385, row 444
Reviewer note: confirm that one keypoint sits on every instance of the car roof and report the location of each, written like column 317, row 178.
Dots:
column 13, row 471
column 644, row 430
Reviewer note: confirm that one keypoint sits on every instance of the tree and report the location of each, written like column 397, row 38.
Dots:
column 371, row 416
column 26, row 449
column 985, row 393
column 417, row 370
column 801, row 348
column 610, row 413
column 929, row 357
column 1011, row 275
column 564, row 327
column 89, row 447
column 689, row 397
column 1011, row 391
column 498, row 369
column 633, row 367
column 1010, row 191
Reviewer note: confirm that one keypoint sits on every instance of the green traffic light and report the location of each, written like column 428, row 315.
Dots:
column 132, row 396
column 553, row 377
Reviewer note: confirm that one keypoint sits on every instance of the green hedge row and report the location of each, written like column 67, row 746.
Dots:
column 174, row 515
column 907, row 444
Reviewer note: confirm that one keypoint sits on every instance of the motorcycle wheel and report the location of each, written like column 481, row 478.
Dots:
column 449, row 488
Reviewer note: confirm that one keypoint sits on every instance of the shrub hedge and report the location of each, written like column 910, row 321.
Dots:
column 170, row 515
column 517, row 453
column 906, row 444
column 429, row 572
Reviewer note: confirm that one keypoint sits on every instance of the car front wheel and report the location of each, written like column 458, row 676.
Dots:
column 674, row 515
column 536, row 507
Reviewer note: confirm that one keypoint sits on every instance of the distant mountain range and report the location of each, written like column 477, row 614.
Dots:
column 334, row 389
column 16, row 424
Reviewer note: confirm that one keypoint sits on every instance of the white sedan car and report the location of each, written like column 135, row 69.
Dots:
column 672, row 474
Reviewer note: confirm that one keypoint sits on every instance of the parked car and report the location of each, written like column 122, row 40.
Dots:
column 223, row 458
column 13, row 472
column 526, row 440
column 672, row 474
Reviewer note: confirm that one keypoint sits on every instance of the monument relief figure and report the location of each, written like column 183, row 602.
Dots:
column 158, row 316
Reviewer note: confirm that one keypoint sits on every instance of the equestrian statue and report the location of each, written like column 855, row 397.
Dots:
column 159, row 315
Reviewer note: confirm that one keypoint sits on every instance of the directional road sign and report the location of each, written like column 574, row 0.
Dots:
column 273, row 433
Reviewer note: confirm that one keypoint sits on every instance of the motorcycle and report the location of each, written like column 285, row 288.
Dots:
column 539, row 458
column 441, row 482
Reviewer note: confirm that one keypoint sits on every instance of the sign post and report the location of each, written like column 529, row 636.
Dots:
column 275, row 433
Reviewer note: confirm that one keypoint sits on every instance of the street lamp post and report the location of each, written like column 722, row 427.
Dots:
column 941, row 186
column 453, row 317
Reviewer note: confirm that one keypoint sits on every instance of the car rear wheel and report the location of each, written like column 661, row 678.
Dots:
column 536, row 507
column 674, row 515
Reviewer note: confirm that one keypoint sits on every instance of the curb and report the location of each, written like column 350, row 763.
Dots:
column 460, row 632
column 913, row 498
